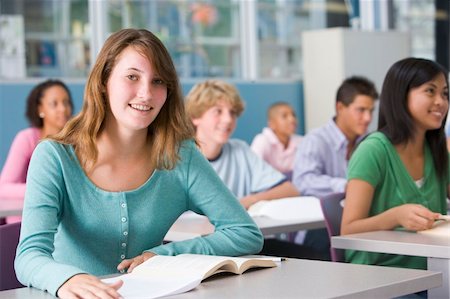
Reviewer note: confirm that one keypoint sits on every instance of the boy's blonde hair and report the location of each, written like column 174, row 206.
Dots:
column 206, row 94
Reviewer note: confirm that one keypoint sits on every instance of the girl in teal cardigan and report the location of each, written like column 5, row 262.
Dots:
column 102, row 194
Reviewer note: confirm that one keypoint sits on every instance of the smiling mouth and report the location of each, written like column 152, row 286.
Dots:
column 437, row 113
column 140, row 107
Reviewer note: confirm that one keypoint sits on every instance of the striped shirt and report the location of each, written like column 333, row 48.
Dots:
column 320, row 166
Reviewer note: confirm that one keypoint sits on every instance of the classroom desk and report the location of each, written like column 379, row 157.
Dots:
column 296, row 278
column 10, row 207
column 435, row 249
column 189, row 226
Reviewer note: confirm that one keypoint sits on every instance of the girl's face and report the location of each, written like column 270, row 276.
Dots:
column 283, row 121
column 55, row 108
column 216, row 124
column 428, row 103
column 136, row 93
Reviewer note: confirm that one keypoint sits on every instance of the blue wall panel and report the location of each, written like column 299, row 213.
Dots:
column 258, row 96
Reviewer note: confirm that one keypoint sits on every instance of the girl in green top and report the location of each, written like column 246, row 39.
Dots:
column 398, row 176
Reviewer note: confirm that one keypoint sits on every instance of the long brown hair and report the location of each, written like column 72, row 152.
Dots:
column 167, row 131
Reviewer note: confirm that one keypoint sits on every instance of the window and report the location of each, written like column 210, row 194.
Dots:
column 280, row 26
column 417, row 17
column 201, row 36
column 249, row 39
column 56, row 36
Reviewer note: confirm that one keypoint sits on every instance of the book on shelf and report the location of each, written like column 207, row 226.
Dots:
column 289, row 208
column 169, row 275
column 441, row 227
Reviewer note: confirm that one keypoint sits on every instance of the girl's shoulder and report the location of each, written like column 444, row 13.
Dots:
column 49, row 143
column 29, row 134
column 54, row 149
column 375, row 143
column 32, row 131
column 187, row 148
column 376, row 139
column 188, row 145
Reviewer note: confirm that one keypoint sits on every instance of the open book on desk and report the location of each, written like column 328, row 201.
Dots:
column 169, row 275
column 289, row 208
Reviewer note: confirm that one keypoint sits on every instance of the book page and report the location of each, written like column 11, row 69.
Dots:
column 197, row 264
column 155, row 284
column 205, row 265
column 243, row 264
column 165, row 275
column 306, row 208
column 440, row 228
column 239, row 265
column 170, row 275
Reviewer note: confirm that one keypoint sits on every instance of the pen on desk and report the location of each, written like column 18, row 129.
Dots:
column 443, row 218
column 278, row 259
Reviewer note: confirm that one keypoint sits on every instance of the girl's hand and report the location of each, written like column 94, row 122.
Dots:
column 88, row 286
column 416, row 217
column 130, row 264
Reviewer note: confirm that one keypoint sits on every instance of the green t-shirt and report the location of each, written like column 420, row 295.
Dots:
column 377, row 162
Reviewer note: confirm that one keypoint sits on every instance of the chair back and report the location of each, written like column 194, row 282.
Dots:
column 9, row 239
column 332, row 213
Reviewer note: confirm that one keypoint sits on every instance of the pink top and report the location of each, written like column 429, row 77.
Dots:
column 14, row 173
column 268, row 146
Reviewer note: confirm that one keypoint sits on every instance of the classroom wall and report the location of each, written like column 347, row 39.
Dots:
column 258, row 96
column 355, row 52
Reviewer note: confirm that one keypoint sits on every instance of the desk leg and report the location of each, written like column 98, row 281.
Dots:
column 441, row 265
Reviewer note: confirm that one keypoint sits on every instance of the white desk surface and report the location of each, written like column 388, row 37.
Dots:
column 10, row 207
column 300, row 279
column 190, row 226
column 435, row 248
column 396, row 242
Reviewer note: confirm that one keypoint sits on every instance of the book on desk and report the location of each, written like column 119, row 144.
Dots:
column 169, row 275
